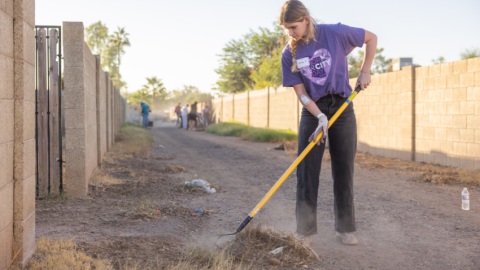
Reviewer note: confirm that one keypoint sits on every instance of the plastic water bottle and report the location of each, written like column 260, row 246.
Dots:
column 465, row 199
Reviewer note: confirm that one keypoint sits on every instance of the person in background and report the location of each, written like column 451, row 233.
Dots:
column 206, row 113
column 145, row 112
column 184, row 116
column 179, row 118
column 192, row 116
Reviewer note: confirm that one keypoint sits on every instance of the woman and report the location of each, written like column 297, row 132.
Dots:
column 192, row 116
column 314, row 63
column 206, row 113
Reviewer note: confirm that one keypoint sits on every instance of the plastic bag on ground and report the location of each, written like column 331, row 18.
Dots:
column 209, row 190
column 199, row 183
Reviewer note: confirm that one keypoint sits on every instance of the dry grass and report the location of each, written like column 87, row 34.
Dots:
column 58, row 254
column 202, row 259
column 291, row 148
column 134, row 140
column 431, row 173
column 101, row 179
column 173, row 169
column 259, row 240
column 146, row 208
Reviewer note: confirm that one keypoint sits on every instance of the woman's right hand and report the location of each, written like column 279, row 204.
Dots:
column 322, row 126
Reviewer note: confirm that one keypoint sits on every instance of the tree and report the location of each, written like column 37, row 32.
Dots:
column 474, row 52
column 119, row 39
column 107, row 46
column 96, row 36
column 380, row 63
column 141, row 95
column 439, row 60
column 234, row 69
column 269, row 72
column 154, row 87
column 243, row 57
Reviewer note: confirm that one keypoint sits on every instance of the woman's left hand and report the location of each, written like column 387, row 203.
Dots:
column 364, row 80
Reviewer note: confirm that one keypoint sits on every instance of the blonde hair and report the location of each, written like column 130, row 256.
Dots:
column 295, row 11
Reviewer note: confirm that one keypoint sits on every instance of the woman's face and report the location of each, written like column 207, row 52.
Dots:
column 297, row 30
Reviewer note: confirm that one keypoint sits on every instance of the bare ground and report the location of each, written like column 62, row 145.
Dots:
column 150, row 219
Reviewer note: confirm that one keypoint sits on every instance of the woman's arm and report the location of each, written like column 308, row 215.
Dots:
column 364, row 78
column 305, row 99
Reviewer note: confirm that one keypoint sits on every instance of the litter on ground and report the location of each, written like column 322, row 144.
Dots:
column 199, row 183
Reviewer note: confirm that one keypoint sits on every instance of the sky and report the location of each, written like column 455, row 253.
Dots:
column 179, row 41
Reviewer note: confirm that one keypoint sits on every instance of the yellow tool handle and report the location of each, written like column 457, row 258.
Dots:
column 302, row 155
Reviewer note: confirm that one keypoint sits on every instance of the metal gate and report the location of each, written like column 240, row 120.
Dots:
column 48, row 110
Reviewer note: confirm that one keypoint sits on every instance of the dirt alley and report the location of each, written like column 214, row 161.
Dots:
column 401, row 223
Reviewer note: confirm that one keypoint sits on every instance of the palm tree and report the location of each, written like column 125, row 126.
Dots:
column 120, row 39
column 155, row 86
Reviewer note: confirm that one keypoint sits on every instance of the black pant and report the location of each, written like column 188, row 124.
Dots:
column 342, row 138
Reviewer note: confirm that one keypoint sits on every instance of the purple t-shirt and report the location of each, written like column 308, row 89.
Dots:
column 323, row 63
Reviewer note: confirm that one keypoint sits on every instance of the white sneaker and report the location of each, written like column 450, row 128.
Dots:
column 347, row 238
column 306, row 240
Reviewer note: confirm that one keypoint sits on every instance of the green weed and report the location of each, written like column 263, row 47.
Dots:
column 251, row 133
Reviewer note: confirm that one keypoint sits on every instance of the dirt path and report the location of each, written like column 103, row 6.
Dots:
column 401, row 224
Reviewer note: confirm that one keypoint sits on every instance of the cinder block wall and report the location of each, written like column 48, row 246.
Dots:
column 241, row 108
column 385, row 116
column 89, row 73
column 283, row 108
column 448, row 114
column 427, row 114
column 258, row 108
column 227, row 108
column 101, row 99
column 94, row 110
column 7, row 141
column 17, row 132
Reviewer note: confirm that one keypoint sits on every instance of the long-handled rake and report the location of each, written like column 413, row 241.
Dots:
column 287, row 173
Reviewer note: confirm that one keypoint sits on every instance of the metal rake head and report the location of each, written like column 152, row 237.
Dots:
column 234, row 251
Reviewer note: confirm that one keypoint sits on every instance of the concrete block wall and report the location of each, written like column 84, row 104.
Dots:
column 426, row 114
column 270, row 107
column 93, row 110
column 448, row 114
column 283, row 109
column 17, row 132
column 384, row 115
column 259, row 108
column 227, row 108
column 101, row 99
column 216, row 110
column 7, row 141
column 241, row 108
column 90, row 91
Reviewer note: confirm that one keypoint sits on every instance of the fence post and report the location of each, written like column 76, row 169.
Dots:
column 233, row 107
